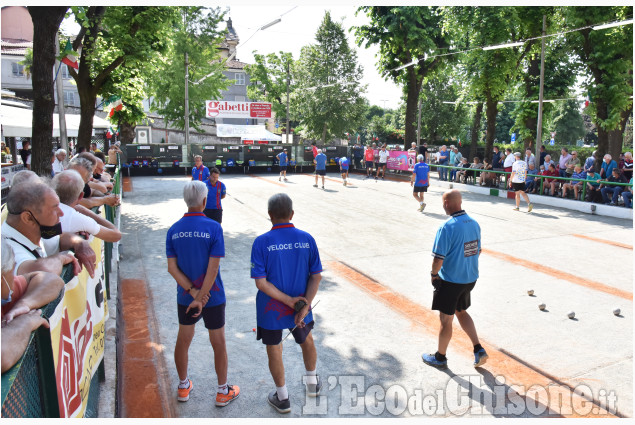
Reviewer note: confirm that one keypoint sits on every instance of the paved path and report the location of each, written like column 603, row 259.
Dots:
column 374, row 318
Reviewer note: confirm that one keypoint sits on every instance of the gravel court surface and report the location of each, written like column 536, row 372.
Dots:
column 375, row 228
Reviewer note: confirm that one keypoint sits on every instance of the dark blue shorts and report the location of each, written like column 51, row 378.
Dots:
column 320, row 172
column 274, row 336
column 213, row 317
column 449, row 297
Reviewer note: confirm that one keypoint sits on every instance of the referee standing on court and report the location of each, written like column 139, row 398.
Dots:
column 454, row 272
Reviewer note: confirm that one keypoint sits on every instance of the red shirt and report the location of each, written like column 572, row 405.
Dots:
column 369, row 155
column 314, row 151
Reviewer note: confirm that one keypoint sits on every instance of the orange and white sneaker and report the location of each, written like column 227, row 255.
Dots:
column 184, row 393
column 232, row 394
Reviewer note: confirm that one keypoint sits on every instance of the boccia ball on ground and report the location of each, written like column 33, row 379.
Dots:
column 268, row 169
column 542, row 306
column 571, row 314
column 222, row 170
column 617, row 311
column 160, row 170
column 530, row 292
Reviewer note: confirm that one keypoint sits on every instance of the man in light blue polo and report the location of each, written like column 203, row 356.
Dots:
column 285, row 264
column 283, row 162
column 420, row 180
column 320, row 167
column 456, row 249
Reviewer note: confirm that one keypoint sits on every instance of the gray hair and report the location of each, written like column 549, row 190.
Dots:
column 280, row 206
column 90, row 157
column 194, row 193
column 80, row 162
column 59, row 151
column 608, row 156
column 8, row 258
column 68, row 185
column 28, row 196
column 198, row 156
column 419, row 157
column 22, row 176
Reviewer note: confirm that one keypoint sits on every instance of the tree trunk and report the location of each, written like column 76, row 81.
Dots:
column 46, row 22
column 603, row 135
column 491, row 110
column 532, row 84
column 616, row 137
column 412, row 103
column 127, row 132
column 530, row 122
column 88, row 99
column 324, row 135
column 476, row 125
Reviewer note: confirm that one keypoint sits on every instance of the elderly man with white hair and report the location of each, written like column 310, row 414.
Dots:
column 607, row 166
column 58, row 163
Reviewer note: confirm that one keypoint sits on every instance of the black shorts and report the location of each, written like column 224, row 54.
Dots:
column 382, row 164
column 283, row 168
column 418, row 189
column 518, row 186
column 214, row 317
column 450, row 297
column 344, row 171
column 214, row 214
column 320, row 172
column 369, row 164
column 273, row 337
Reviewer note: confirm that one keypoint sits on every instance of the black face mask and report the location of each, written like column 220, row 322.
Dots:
column 48, row 232
column 97, row 176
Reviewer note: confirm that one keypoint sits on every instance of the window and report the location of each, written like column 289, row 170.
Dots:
column 69, row 98
column 64, row 72
column 18, row 70
column 239, row 98
column 240, row 79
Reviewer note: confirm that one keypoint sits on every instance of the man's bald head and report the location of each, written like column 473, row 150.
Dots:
column 452, row 201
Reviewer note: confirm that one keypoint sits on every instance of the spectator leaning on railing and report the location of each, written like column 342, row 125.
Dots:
column 85, row 169
column 615, row 191
column 33, row 230
column 21, row 296
column 69, row 188
column 576, row 185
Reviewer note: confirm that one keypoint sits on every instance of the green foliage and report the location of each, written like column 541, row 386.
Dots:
column 505, row 123
column 27, row 62
column 268, row 78
column 328, row 101
column 566, row 121
column 196, row 33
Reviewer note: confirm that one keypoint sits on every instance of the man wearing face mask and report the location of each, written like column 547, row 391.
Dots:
column 34, row 232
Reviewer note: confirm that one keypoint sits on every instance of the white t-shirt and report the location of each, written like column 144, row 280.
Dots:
column 383, row 156
column 23, row 247
column 509, row 160
column 74, row 222
column 58, row 166
column 520, row 168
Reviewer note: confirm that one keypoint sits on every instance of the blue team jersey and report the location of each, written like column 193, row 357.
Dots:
column 421, row 171
column 286, row 257
column 458, row 244
column 193, row 240
column 214, row 195
column 344, row 163
column 282, row 157
column 320, row 160
column 200, row 173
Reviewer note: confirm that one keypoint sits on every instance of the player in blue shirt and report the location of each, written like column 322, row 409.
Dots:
column 456, row 249
column 320, row 167
column 285, row 263
column 283, row 161
column 419, row 180
column 199, row 172
column 344, row 168
column 216, row 191
column 194, row 246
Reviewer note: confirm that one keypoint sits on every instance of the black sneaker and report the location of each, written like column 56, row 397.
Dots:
column 282, row 406
column 312, row 390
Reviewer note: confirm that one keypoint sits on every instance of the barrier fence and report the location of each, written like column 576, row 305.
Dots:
column 60, row 372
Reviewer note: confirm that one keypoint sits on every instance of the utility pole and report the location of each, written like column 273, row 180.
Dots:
column 187, row 103
column 542, row 84
column 60, row 99
column 419, row 124
column 288, row 82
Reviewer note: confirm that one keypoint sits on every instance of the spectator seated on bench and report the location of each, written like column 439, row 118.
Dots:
column 615, row 191
column 576, row 185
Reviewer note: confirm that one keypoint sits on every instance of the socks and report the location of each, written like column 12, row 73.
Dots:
column 184, row 383
column 223, row 389
column 283, row 394
column 311, row 377
column 477, row 348
column 440, row 357
column 421, row 203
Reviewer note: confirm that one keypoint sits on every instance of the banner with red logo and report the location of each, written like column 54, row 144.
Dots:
column 78, row 336
column 227, row 109
column 400, row 160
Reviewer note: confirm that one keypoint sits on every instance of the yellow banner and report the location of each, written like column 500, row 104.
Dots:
column 77, row 336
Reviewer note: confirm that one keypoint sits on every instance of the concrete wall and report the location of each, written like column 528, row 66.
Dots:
column 16, row 23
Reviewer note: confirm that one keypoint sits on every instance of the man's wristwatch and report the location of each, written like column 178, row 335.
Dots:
column 434, row 274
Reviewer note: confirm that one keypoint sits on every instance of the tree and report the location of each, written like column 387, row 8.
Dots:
column 566, row 121
column 405, row 34
column 271, row 77
column 46, row 22
column 607, row 54
column 123, row 39
column 196, row 33
column 329, row 97
column 488, row 73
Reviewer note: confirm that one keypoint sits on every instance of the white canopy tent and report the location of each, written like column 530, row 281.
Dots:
column 17, row 122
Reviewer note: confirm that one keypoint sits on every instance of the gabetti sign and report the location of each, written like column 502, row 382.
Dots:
column 224, row 109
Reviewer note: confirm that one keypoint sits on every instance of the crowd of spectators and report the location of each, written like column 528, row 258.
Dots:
column 48, row 225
